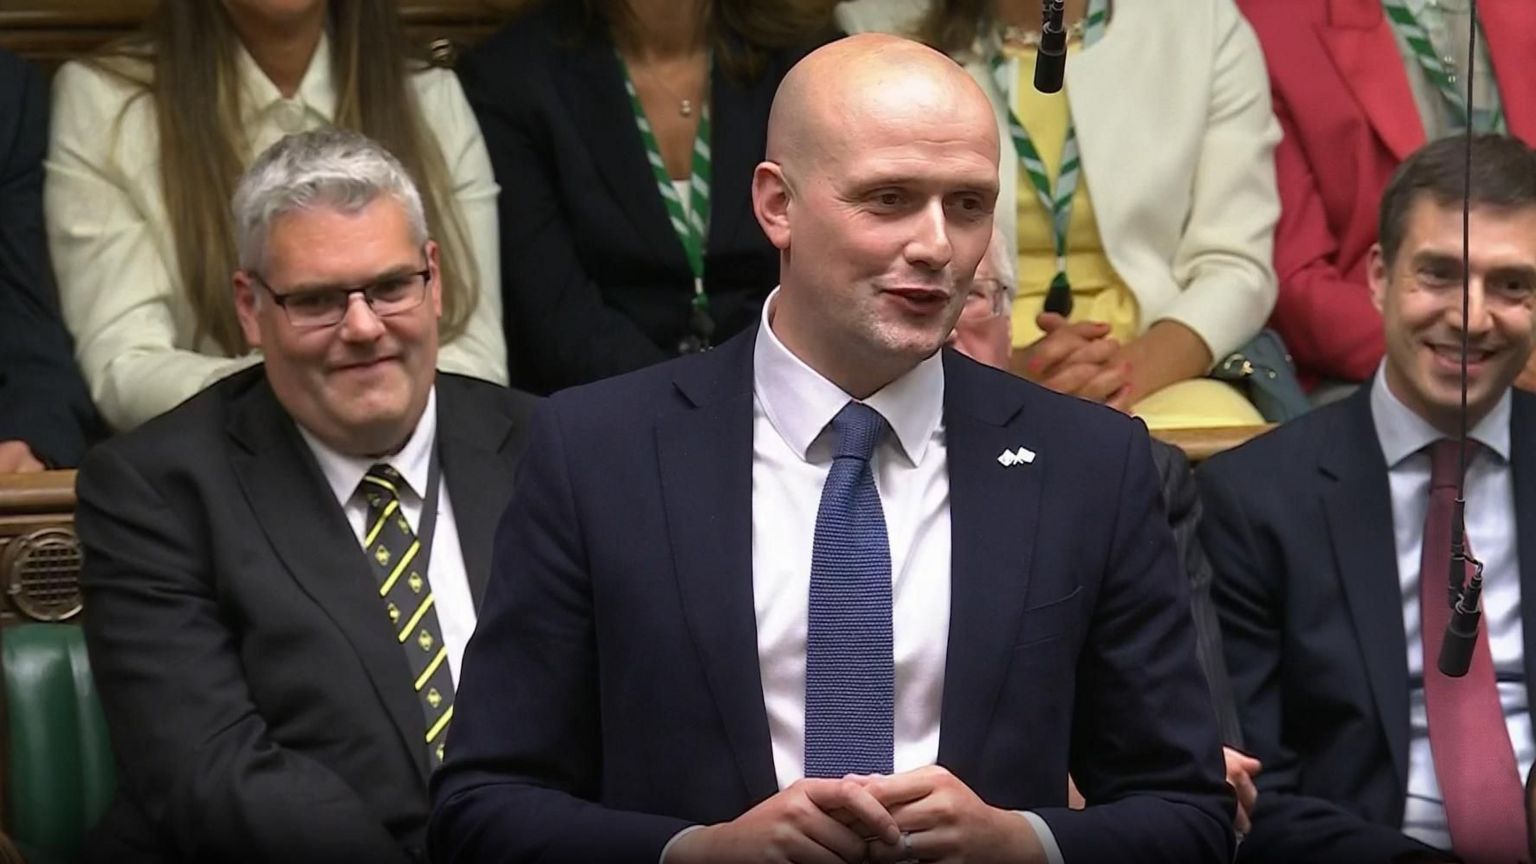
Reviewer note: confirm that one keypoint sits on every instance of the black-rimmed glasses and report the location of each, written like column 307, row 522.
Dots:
column 326, row 307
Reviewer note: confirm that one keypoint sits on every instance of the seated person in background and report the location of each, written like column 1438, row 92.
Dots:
column 1358, row 85
column 983, row 333
column 685, row 637
column 627, row 131
column 282, row 572
column 1330, row 538
column 46, row 417
column 150, row 137
column 1127, row 296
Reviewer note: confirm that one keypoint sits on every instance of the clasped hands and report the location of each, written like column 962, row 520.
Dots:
column 1078, row 358
column 921, row 815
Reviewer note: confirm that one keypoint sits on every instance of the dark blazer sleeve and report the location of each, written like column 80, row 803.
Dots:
column 560, row 330
column 43, row 400
column 522, row 790
column 1182, row 499
column 191, row 748
column 1287, row 826
column 1140, row 721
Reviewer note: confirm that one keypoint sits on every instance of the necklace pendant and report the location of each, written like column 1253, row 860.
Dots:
column 685, row 108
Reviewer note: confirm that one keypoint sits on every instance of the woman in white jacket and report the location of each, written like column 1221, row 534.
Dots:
column 1168, row 221
column 149, row 137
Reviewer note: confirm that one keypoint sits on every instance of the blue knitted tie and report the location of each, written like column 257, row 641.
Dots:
column 849, row 670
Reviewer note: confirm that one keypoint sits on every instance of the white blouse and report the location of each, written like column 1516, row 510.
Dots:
column 115, row 258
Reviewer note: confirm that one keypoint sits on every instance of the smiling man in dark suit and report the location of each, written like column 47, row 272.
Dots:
column 1332, row 554
column 281, row 573
column 828, row 592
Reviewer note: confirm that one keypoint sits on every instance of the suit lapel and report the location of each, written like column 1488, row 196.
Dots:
column 1510, row 28
column 295, row 508
column 994, row 516
column 1359, row 38
column 592, row 91
column 1522, row 425
column 705, row 456
column 470, row 439
column 1358, row 504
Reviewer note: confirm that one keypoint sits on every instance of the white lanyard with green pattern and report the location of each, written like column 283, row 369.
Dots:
column 1442, row 78
column 691, row 224
column 1058, row 201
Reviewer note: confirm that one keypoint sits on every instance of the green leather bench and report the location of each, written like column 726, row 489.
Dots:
column 58, row 756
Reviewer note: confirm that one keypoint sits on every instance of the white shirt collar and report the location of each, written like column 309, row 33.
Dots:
column 414, row 460
column 317, row 90
column 799, row 401
column 1403, row 433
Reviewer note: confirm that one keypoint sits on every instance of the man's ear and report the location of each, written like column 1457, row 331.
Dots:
column 1376, row 274
column 434, row 263
column 247, row 304
column 770, row 202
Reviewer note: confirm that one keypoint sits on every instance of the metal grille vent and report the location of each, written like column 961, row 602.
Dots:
column 44, row 574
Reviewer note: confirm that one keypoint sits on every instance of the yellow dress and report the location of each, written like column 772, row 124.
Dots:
column 1098, row 293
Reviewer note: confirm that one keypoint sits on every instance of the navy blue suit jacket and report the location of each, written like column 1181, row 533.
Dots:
column 611, row 695
column 1298, row 524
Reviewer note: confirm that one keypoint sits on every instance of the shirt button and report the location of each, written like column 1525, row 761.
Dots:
column 290, row 116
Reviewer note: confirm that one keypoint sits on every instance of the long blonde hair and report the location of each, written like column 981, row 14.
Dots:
column 186, row 64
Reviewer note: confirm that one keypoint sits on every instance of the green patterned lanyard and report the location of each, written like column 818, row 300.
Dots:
column 692, row 224
column 1443, row 79
column 1058, row 201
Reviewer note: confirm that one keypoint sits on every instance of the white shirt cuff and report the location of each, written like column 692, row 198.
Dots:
column 691, row 828
column 1042, row 830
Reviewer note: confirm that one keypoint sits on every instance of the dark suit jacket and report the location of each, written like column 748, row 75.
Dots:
column 612, row 694
column 259, row 704
column 43, row 400
column 595, row 282
column 1298, row 524
column 1182, row 499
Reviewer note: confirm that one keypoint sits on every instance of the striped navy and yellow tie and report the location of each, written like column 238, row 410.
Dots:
column 397, row 560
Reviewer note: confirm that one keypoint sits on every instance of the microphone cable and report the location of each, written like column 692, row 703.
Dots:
column 1464, row 594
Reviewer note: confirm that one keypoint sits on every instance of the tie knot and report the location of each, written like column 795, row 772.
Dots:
column 857, row 428
column 1445, row 461
column 381, row 483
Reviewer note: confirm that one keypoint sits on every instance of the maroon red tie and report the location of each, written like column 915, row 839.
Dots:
column 1474, row 762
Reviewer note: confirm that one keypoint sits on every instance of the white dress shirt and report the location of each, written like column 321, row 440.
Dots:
column 791, row 457
column 1491, row 536
column 113, row 252
column 445, row 566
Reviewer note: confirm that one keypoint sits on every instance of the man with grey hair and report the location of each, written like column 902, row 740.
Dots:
column 281, row 573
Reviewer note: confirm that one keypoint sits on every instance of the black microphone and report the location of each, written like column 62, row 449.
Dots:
column 1461, row 632
column 1051, row 60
